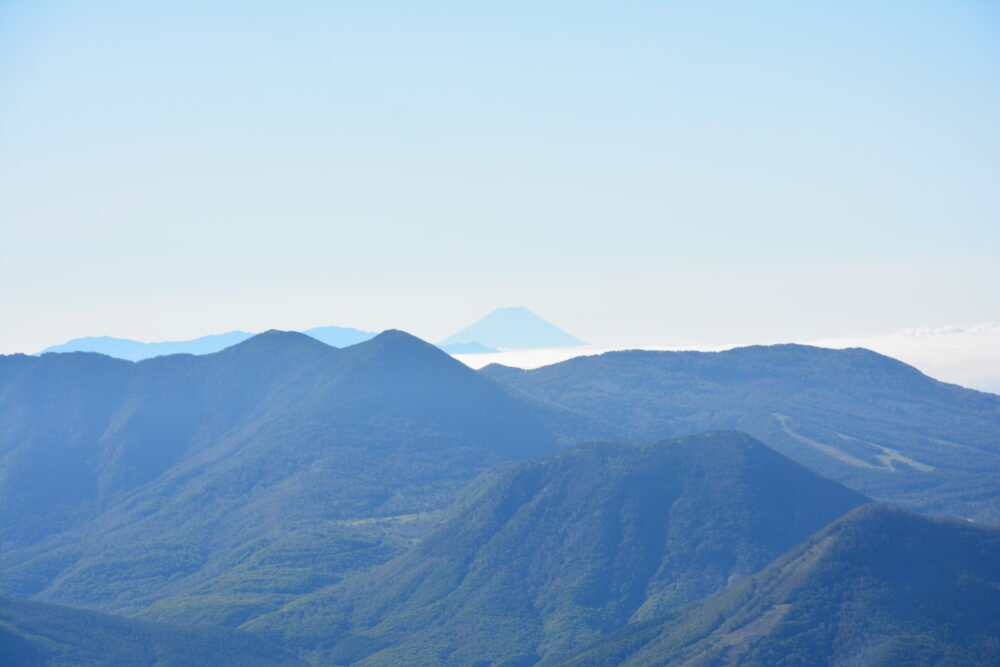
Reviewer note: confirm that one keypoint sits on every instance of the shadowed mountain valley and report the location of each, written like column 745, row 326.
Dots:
column 35, row 633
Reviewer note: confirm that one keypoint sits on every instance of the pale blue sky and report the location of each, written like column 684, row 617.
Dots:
column 636, row 172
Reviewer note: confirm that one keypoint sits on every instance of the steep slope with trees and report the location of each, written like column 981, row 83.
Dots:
column 879, row 587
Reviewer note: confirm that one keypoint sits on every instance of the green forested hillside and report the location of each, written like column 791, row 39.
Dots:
column 868, row 421
column 308, row 494
column 224, row 485
column 34, row 634
column 878, row 587
column 540, row 558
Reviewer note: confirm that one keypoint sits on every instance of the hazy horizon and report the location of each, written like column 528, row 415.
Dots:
column 969, row 356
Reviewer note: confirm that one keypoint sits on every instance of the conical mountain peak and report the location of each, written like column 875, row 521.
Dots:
column 397, row 337
column 514, row 327
column 396, row 341
column 403, row 351
column 275, row 341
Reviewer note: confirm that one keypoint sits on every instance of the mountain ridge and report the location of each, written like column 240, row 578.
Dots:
column 872, row 422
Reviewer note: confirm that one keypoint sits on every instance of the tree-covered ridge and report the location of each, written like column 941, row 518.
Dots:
column 34, row 634
column 880, row 586
column 540, row 558
column 871, row 422
column 236, row 481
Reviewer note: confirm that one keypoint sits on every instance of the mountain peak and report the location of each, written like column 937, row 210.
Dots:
column 396, row 335
column 277, row 341
column 514, row 327
column 398, row 346
column 399, row 338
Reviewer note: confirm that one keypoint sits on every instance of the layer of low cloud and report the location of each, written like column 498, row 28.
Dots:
column 968, row 356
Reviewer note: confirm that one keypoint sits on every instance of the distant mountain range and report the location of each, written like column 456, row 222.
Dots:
column 503, row 328
column 384, row 504
column 133, row 350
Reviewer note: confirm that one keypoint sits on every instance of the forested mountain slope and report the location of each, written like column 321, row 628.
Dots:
column 879, row 587
column 540, row 558
column 35, row 634
column 298, row 490
column 252, row 475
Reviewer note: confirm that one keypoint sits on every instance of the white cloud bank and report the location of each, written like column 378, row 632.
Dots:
column 969, row 356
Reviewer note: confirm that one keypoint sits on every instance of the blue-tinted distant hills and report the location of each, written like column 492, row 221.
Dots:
column 339, row 336
column 515, row 327
column 134, row 350
column 503, row 328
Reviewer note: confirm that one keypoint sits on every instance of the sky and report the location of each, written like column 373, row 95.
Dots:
column 640, row 173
